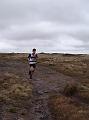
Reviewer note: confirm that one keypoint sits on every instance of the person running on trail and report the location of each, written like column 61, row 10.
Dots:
column 32, row 58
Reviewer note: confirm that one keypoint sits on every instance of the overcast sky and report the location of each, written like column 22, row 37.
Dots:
column 48, row 25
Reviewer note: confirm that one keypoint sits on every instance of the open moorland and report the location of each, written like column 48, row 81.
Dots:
column 59, row 89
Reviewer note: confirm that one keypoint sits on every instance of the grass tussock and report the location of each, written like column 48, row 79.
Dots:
column 77, row 66
column 69, row 105
column 64, row 108
column 70, row 89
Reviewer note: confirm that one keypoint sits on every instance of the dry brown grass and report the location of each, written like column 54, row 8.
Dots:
column 72, row 105
column 14, row 91
column 13, row 57
column 71, row 65
column 76, row 65
column 71, row 89
column 15, row 94
column 64, row 108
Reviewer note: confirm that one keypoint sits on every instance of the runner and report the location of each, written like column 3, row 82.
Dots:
column 32, row 58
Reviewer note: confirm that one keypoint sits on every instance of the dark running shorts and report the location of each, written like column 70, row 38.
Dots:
column 33, row 65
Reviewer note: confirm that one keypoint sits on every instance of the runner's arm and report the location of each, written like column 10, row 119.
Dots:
column 29, row 56
column 37, row 55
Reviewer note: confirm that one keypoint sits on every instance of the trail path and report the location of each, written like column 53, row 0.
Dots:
column 45, row 83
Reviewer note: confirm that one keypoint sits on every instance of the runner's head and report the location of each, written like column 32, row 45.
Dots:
column 34, row 50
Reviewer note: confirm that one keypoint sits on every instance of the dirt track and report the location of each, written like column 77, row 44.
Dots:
column 45, row 83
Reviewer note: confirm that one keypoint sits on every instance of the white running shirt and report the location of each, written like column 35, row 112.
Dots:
column 32, row 58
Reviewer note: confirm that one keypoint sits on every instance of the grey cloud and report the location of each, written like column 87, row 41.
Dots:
column 45, row 24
